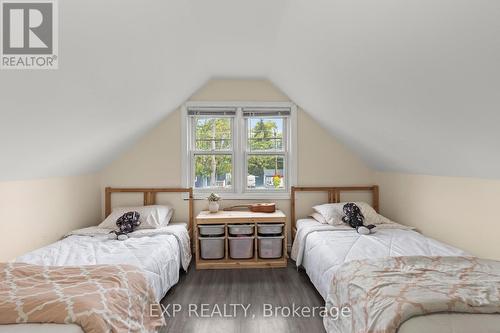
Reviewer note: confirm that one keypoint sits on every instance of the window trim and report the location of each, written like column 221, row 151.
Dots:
column 240, row 151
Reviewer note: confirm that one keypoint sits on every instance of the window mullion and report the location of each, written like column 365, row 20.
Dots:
column 235, row 161
column 245, row 151
column 239, row 151
column 191, row 146
column 213, row 152
column 265, row 153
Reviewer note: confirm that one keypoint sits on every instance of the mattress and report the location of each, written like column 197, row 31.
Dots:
column 325, row 251
column 158, row 256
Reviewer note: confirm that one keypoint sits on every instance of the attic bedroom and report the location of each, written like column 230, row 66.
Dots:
column 249, row 166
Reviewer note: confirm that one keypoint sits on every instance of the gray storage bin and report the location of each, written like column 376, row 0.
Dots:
column 211, row 230
column 270, row 247
column 266, row 229
column 212, row 247
column 240, row 229
column 241, row 247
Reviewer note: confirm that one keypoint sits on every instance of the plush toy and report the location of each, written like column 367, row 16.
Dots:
column 355, row 219
column 126, row 224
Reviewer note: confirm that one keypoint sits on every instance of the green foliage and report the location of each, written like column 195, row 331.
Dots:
column 265, row 136
column 204, row 163
column 257, row 164
column 214, row 134
column 213, row 197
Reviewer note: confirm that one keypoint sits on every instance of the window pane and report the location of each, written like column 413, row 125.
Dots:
column 213, row 133
column 266, row 172
column 213, row 171
column 265, row 134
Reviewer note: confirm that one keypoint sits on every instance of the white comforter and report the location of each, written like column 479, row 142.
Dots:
column 160, row 253
column 321, row 249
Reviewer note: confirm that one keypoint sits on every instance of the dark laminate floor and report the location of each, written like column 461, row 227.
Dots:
column 279, row 287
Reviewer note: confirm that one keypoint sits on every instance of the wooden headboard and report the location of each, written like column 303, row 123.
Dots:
column 333, row 197
column 150, row 198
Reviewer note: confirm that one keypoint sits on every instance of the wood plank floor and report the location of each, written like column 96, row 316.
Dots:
column 254, row 287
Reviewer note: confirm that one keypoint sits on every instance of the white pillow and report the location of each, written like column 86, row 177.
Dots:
column 170, row 214
column 318, row 217
column 151, row 217
column 334, row 212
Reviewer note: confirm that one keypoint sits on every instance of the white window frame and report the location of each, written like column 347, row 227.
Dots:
column 240, row 151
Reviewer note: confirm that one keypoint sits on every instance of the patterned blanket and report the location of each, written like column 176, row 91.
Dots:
column 100, row 298
column 383, row 293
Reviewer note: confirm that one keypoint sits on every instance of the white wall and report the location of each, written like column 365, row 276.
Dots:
column 459, row 211
column 156, row 159
column 35, row 213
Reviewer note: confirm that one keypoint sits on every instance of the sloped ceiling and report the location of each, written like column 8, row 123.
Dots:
column 411, row 86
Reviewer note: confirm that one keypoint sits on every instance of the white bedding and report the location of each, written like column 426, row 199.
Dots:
column 325, row 250
column 159, row 252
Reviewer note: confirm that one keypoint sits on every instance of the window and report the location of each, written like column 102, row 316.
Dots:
column 213, row 152
column 239, row 150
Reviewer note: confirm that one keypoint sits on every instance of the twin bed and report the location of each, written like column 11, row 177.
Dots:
column 159, row 254
column 394, row 279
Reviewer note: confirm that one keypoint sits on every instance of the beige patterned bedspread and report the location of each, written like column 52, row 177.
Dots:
column 100, row 298
column 383, row 293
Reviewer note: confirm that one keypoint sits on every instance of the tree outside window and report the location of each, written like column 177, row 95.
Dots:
column 265, row 135
column 213, row 135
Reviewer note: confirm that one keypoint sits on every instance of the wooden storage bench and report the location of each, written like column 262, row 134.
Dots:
column 239, row 217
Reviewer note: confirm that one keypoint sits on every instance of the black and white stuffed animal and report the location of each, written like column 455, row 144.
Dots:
column 355, row 219
column 126, row 224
